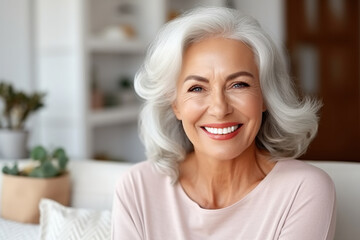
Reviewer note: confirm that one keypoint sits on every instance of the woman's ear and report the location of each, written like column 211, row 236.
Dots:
column 264, row 108
column 176, row 110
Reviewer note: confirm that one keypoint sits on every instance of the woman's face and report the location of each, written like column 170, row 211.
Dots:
column 219, row 99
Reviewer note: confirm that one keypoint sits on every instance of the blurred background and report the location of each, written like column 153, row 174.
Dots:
column 84, row 53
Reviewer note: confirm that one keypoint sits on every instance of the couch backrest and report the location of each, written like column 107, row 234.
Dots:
column 93, row 182
column 346, row 177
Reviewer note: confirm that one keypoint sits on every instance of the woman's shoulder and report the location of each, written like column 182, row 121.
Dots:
column 140, row 174
column 138, row 169
column 301, row 172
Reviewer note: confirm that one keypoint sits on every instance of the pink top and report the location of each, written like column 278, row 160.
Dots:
column 295, row 201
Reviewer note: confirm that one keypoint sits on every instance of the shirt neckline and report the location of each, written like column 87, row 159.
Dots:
column 195, row 206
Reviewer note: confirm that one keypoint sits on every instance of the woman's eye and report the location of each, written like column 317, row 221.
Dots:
column 240, row 85
column 195, row 89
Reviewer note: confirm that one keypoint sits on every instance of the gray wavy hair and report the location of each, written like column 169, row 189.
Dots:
column 288, row 125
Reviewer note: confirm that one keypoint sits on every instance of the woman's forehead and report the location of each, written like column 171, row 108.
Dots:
column 218, row 53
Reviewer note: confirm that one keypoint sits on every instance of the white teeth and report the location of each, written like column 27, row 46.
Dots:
column 222, row 131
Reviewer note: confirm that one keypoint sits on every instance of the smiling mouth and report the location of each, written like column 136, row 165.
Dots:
column 222, row 131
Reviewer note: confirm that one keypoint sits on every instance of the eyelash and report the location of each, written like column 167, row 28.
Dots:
column 195, row 89
column 199, row 88
column 241, row 85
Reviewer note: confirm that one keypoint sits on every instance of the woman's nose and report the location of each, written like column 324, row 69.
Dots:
column 219, row 106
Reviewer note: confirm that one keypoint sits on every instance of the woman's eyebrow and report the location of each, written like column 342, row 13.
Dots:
column 239, row 74
column 230, row 77
column 197, row 78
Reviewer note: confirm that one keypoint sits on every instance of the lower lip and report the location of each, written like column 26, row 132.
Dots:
column 223, row 136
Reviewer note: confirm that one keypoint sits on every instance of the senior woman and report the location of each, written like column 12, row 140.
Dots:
column 222, row 125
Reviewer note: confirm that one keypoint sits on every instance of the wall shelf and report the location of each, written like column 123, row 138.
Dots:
column 114, row 115
column 100, row 45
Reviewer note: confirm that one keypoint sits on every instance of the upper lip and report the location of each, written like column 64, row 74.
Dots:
column 221, row 125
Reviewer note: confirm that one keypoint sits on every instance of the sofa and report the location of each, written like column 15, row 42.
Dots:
column 93, row 184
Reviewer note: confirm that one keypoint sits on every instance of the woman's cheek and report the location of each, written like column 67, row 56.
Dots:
column 193, row 102
column 250, row 102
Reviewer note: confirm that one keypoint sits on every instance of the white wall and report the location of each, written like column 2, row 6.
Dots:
column 17, row 64
column 16, row 56
column 60, row 73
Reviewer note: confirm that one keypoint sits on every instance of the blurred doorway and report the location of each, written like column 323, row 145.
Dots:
column 323, row 43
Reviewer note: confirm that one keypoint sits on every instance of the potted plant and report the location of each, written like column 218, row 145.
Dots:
column 17, row 107
column 45, row 176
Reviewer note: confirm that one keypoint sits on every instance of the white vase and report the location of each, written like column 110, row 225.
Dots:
column 13, row 144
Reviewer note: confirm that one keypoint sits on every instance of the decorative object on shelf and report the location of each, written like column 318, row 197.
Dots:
column 17, row 107
column 126, row 90
column 124, row 28
column 173, row 14
column 120, row 32
column 103, row 156
column 110, row 100
column 126, row 8
column 97, row 96
column 45, row 177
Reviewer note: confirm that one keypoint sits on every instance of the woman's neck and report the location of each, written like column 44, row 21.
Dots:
column 214, row 183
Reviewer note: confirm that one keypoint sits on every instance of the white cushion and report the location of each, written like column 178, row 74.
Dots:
column 58, row 222
column 18, row 231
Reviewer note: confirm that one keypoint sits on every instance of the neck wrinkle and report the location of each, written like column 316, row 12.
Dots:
column 226, row 182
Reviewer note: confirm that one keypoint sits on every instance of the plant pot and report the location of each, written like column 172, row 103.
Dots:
column 21, row 195
column 13, row 144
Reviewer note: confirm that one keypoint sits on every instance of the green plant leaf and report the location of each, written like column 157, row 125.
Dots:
column 59, row 152
column 12, row 171
column 60, row 155
column 63, row 162
column 36, row 172
column 46, row 170
column 39, row 153
column 20, row 102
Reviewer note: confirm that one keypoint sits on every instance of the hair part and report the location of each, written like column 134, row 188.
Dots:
column 289, row 123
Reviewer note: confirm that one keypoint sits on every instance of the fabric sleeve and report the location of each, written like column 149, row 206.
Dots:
column 313, row 213
column 126, row 223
